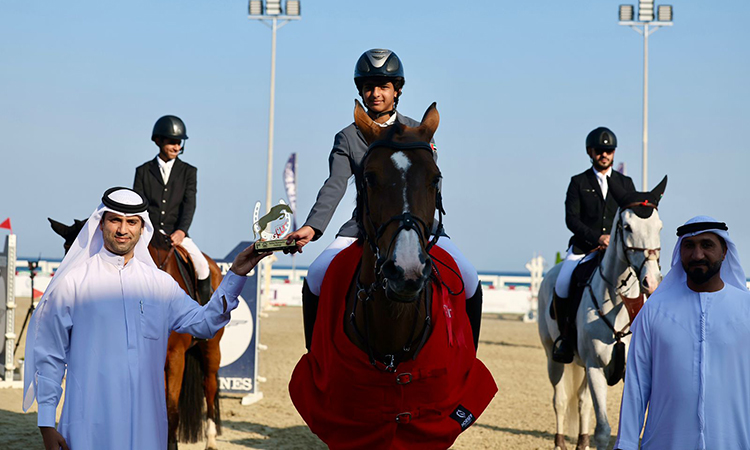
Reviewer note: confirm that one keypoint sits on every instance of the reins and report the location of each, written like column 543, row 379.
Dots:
column 632, row 304
column 406, row 222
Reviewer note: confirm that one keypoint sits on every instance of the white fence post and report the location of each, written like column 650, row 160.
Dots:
column 536, row 272
column 8, row 311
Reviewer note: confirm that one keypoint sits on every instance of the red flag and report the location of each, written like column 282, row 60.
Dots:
column 37, row 293
column 6, row 225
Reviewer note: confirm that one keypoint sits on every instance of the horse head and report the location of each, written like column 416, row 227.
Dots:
column 68, row 232
column 397, row 194
column 638, row 226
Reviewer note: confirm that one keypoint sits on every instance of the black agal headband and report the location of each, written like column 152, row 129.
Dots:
column 126, row 208
column 701, row 226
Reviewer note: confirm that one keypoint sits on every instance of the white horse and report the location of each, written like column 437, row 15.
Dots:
column 628, row 270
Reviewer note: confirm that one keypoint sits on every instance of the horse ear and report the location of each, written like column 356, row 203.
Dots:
column 59, row 228
column 369, row 129
column 430, row 122
column 658, row 191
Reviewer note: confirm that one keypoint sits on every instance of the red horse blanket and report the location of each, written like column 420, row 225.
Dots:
column 426, row 404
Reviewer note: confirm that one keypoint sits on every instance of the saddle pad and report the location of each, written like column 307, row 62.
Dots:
column 425, row 404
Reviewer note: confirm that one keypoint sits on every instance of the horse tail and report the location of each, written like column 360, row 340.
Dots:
column 191, row 405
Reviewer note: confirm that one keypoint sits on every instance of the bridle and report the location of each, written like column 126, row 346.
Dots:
column 405, row 222
column 632, row 304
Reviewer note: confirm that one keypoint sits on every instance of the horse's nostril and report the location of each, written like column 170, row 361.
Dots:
column 392, row 271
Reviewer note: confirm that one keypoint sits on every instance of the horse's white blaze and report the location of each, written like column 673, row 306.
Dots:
column 406, row 254
column 408, row 248
column 402, row 163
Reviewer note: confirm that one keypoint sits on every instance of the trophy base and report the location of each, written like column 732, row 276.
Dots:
column 274, row 245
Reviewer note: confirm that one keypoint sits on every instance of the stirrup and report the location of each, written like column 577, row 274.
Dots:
column 560, row 356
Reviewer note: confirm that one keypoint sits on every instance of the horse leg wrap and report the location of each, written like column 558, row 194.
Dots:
column 560, row 442
column 583, row 442
column 309, row 312
column 474, row 311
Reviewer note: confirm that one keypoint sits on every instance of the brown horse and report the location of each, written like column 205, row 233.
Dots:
column 401, row 370
column 192, row 365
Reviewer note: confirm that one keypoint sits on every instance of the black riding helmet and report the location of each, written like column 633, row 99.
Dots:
column 170, row 127
column 602, row 138
column 376, row 63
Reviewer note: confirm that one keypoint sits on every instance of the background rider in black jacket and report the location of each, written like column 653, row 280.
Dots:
column 589, row 213
column 170, row 186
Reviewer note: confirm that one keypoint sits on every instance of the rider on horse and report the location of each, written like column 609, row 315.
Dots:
column 169, row 184
column 589, row 212
column 379, row 77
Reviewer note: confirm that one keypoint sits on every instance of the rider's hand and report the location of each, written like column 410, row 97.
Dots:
column 247, row 259
column 603, row 241
column 177, row 237
column 302, row 237
column 53, row 440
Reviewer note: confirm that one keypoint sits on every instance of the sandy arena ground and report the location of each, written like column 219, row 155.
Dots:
column 520, row 417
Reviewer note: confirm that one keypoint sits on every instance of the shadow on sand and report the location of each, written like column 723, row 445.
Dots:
column 538, row 434
column 275, row 438
column 19, row 430
column 510, row 344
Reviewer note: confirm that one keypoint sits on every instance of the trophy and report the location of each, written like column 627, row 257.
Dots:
column 273, row 228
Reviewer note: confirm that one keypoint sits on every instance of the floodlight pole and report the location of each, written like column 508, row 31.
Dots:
column 645, row 32
column 276, row 22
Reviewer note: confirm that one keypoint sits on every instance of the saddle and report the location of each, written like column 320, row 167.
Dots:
column 185, row 265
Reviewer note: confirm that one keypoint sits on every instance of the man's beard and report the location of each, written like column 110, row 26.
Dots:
column 600, row 167
column 698, row 276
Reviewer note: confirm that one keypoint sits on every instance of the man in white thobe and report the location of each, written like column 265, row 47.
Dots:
column 106, row 318
column 688, row 360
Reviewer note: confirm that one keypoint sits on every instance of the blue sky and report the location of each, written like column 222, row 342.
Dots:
column 518, row 87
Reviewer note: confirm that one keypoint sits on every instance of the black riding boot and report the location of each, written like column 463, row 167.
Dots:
column 309, row 312
column 204, row 291
column 563, row 350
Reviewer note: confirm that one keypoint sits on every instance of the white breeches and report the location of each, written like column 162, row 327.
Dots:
column 199, row 261
column 562, row 285
column 318, row 268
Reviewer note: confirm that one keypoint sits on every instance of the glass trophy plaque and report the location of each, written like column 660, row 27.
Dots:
column 272, row 229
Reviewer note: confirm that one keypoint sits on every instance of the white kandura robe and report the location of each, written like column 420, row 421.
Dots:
column 110, row 323
column 689, row 362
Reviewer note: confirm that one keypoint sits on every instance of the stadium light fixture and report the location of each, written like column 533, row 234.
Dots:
column 645, row 26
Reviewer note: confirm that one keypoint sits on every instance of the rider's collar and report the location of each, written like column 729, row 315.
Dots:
column 391, row 120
